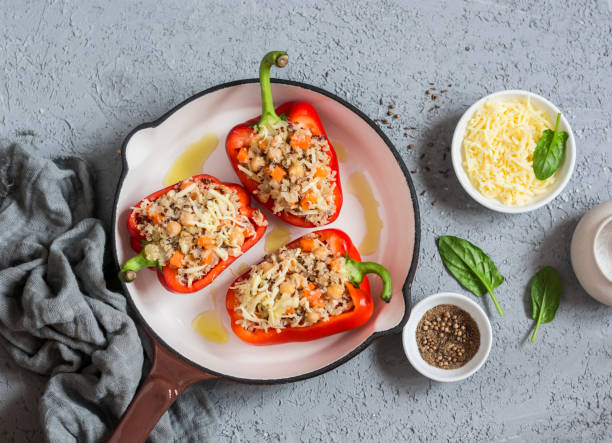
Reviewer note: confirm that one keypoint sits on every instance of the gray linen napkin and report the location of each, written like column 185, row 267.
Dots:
column 57, row 316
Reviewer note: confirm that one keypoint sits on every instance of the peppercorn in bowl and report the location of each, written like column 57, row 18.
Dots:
column 448, row 337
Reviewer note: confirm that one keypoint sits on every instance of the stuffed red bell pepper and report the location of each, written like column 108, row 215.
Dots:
column 285, row 159
column 311, row 288
column 191, row 231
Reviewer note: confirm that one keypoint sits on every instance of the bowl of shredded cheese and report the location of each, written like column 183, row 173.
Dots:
column 493, row 146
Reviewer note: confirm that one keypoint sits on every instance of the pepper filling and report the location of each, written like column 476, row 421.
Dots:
column 295, row 287
column 291, row 167
column 195, row 226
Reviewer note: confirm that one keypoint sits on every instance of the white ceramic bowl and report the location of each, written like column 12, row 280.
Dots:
column 566, row 169
column 588, row 267
column 410, row 344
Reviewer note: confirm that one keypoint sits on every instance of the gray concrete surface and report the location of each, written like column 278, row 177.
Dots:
column 79, row 76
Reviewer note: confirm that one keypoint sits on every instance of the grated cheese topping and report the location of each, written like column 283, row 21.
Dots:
column 194, row 226
column 498, row 148
column 292, row 168
column 294, row 288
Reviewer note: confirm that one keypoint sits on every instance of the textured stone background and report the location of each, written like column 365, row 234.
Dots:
column 76, row 77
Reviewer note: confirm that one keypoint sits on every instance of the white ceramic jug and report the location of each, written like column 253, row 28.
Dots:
column 591, row 252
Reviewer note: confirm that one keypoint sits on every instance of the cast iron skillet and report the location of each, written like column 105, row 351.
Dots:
column 181, row 357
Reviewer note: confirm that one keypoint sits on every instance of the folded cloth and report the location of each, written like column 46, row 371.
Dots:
column 57, row 316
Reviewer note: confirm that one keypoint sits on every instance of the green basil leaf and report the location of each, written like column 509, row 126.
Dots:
column 541, row 151
column 549, row 152
column 472, row 268
column 545, row 297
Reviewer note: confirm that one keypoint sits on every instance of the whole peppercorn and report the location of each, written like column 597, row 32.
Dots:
column 442, row 337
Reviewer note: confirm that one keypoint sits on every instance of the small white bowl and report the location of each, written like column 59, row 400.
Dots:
column 566, row 169
column 412, row 350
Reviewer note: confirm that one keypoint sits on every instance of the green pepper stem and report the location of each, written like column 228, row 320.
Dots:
column 357, row 270
column 135, row 264
column 280, row 60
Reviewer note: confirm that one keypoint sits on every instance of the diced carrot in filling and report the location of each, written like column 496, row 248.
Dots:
column 263, row 144
column 336, row 264
column 277, row 173
column 309, row 200
column 177, row 259
column 335, row 244
column 156, row 218
column 314, row 297
column 186, row 184
column 307, row 244
column 207, row 258
column 300, row 140
column 206, row 242
column 243, row 155
column 321, row 173
column 300, row 280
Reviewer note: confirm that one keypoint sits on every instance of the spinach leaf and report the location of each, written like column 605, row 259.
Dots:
column 472, row 268
column 545, row 297
column 549, row 152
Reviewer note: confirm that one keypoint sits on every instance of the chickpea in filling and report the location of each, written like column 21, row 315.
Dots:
column 294, row 287
column 291, row 167
column 195, row 226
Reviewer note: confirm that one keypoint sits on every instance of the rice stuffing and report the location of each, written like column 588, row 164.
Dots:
column 294, row 287
column 194, row 226
column 291, row 167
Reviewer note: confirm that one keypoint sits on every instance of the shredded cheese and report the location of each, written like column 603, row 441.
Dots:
column 498, row 148
column 292, row 289
column 202, row 209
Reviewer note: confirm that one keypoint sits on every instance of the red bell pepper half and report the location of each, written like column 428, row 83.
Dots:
column 298, row 112
column 359, row 290
column 168, row 274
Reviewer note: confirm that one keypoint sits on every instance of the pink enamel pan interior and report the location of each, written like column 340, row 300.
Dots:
column 183, row 357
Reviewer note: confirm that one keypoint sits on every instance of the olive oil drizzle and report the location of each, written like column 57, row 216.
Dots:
column 191, row 161
column 208, row 324
column 278, row 237
column 341, row 151
column 358, row 186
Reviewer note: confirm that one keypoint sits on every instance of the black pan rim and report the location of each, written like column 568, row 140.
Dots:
column 406, row 288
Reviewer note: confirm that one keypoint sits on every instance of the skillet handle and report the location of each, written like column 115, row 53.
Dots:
column 168, row 378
